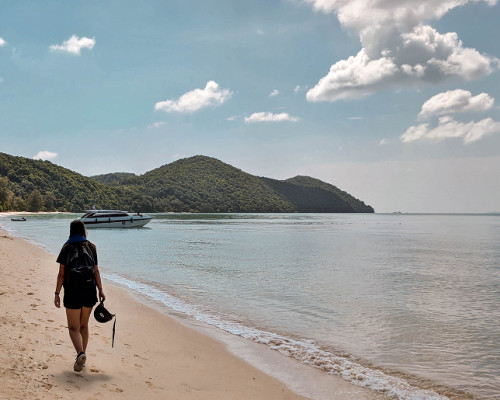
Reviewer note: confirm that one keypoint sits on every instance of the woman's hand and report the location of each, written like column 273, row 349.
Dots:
column 102, row 297
column 57, row 301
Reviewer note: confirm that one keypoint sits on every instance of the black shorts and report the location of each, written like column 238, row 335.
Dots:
column 75, row 299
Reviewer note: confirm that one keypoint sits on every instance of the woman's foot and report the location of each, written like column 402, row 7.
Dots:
column 80, row 361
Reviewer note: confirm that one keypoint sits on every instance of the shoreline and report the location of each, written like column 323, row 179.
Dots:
column 155, row 354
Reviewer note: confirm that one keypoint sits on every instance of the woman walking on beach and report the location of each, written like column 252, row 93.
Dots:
column 79, row 275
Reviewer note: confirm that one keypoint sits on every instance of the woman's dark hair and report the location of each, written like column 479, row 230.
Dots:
column 77, row 227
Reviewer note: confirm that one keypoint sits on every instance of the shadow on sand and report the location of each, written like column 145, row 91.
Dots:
column 88, row 377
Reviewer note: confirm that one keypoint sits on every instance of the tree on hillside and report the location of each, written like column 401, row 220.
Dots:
column 18, row 204
column 35, row 201
column 6, row 195
column 3, row 190
column 49, row 200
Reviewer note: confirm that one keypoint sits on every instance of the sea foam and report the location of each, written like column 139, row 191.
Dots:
column 303, row 350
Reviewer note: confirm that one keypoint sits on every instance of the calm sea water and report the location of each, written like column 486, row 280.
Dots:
column 397, row 303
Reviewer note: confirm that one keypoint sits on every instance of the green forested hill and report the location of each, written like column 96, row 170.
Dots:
column 205, row 184
column 307, row 182
column 113, row 179
column 35, row 185
column 310, row 199
column 195, row 184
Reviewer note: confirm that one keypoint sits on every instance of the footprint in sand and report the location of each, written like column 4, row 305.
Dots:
column 95, row 370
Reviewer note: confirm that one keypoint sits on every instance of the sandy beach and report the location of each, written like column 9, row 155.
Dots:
column 155, row 356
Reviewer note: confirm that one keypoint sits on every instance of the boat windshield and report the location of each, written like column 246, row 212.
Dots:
column 108, row 214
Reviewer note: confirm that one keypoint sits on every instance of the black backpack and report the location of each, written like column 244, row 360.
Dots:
column 80, row 268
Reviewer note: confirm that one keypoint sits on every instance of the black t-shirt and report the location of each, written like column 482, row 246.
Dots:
column 68, row 249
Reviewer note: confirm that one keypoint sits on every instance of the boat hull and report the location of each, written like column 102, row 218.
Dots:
column 115, row 223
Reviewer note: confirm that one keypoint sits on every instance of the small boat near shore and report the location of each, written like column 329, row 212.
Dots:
column 18, row 219
column 114, row 219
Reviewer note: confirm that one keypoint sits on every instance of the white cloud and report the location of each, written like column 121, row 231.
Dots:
column 74, row 45
column 156, row 124
column 270, row 117
column 397, row 48
column 452, row 102
column 45, row 155
column 384, row 141
column 440, row 56
column 274, row 93
column 455, row 101
column 353, row 78
column 2, row 42
column 415, row 133
column 196, row 99
column 449, row 128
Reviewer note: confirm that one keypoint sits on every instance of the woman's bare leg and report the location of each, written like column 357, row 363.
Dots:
column 84, row 326
column 74, row 317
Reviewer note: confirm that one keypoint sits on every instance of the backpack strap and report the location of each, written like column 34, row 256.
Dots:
column 85, row 247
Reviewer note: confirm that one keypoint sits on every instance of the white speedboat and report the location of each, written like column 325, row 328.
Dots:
column 114, row 219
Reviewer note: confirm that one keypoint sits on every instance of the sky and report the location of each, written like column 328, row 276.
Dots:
column 396, row 102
